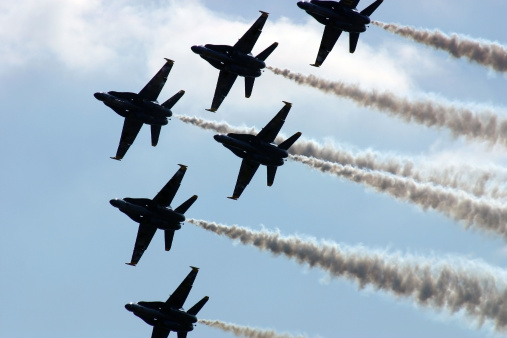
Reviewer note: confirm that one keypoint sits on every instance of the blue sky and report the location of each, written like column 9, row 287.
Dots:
column 63, row 246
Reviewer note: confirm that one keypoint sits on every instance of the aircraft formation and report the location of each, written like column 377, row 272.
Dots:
column 143, row 108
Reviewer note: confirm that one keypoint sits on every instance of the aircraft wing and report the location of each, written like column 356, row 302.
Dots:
column 144, row 236
column 349, row 3
column 246, row 43
column 246, row 172
column 329, row 39
column 131, row 127
column 154, row 87
column 166, row 195
column 160, row 332
column 271, row 130
column 177, row 299
column 224, row 85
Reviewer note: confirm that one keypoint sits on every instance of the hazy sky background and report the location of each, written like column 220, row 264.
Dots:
column 63, row 247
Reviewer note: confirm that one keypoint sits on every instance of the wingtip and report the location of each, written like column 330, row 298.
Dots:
column 233, row 198
column 315, row 64
column 212, row 109
column 181, row 92
column 182, row 166
column 169, row 60
column 194, row 268
column 115, row 158
column 287, row 103
column 264, row 14
column 131, row 264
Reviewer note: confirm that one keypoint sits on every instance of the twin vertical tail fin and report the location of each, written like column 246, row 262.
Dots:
column 271, row 174
column 168, row 237
column 198, row 306
column 185, row 205
column 371, row 8
column 353, row 38
column 289, row 142
column 267, row 52
column 172, row 101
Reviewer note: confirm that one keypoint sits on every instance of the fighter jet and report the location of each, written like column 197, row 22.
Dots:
column 259, row 149
column 338, row 16
column 170, row 316
column 156, row 213
column 236, row 60
column 141, row 108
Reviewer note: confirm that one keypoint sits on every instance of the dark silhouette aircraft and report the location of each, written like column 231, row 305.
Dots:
column 141, row 108
column 156, row 213
column 338, row 16
column 259, row 149
column 170, row 316
column 236, row 60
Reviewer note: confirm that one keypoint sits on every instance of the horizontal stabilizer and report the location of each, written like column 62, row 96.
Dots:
column 289, row 142
column 249, row 83
column 185, row 205
column 172, row 101
column 371, row 8
column 198, row 306
column 155, row 134
column 168, row 237
column 271, row 174
column 353, row 37
column 265, row 53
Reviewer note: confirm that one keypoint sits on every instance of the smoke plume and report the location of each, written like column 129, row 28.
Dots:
column 486, row 53
column 487, row 182
column 482, row 126
column 455, row 285
column 245, row 331
column 479, row 213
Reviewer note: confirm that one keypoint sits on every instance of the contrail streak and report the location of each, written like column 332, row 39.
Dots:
column 489, row 54
column 245, row 331
column 486, row 182
column 483, row 214
column 451, row 284
column 483, row 126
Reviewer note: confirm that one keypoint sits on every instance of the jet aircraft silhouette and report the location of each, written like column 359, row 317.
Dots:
column 259, row 149
column 156, row 213
column 236, row 60
column 141, row 108
column 169, row 316
column 338, row 16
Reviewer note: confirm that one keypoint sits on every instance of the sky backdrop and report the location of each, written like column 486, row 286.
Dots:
column 63, row 246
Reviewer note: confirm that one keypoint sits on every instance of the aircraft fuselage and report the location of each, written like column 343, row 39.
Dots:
column 248, row 146
column 343, row 18
column 131, row 105
column 171, row 319
column 227, row 58
column 140, row 210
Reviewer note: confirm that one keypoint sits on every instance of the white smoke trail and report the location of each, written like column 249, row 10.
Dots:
column 487, row 182
column 489, row 54
column 455, row 285
column 478, row 213
column 483, row 126
column 245, row 331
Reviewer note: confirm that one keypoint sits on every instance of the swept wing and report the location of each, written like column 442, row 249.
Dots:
column 145, row 233
column 131, row 127
column 224, row 85
column 177, row 299
column 329, row 38
column 152, row 90
column 166, row 195
column 246, row 172
column 271, row 130
column 246, row 43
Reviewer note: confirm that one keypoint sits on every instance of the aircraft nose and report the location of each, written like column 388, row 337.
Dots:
column 129, row 307
column 99, row 96
column 195, row 49
column 302, row 4
column 115, row 202
column 218, row 137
